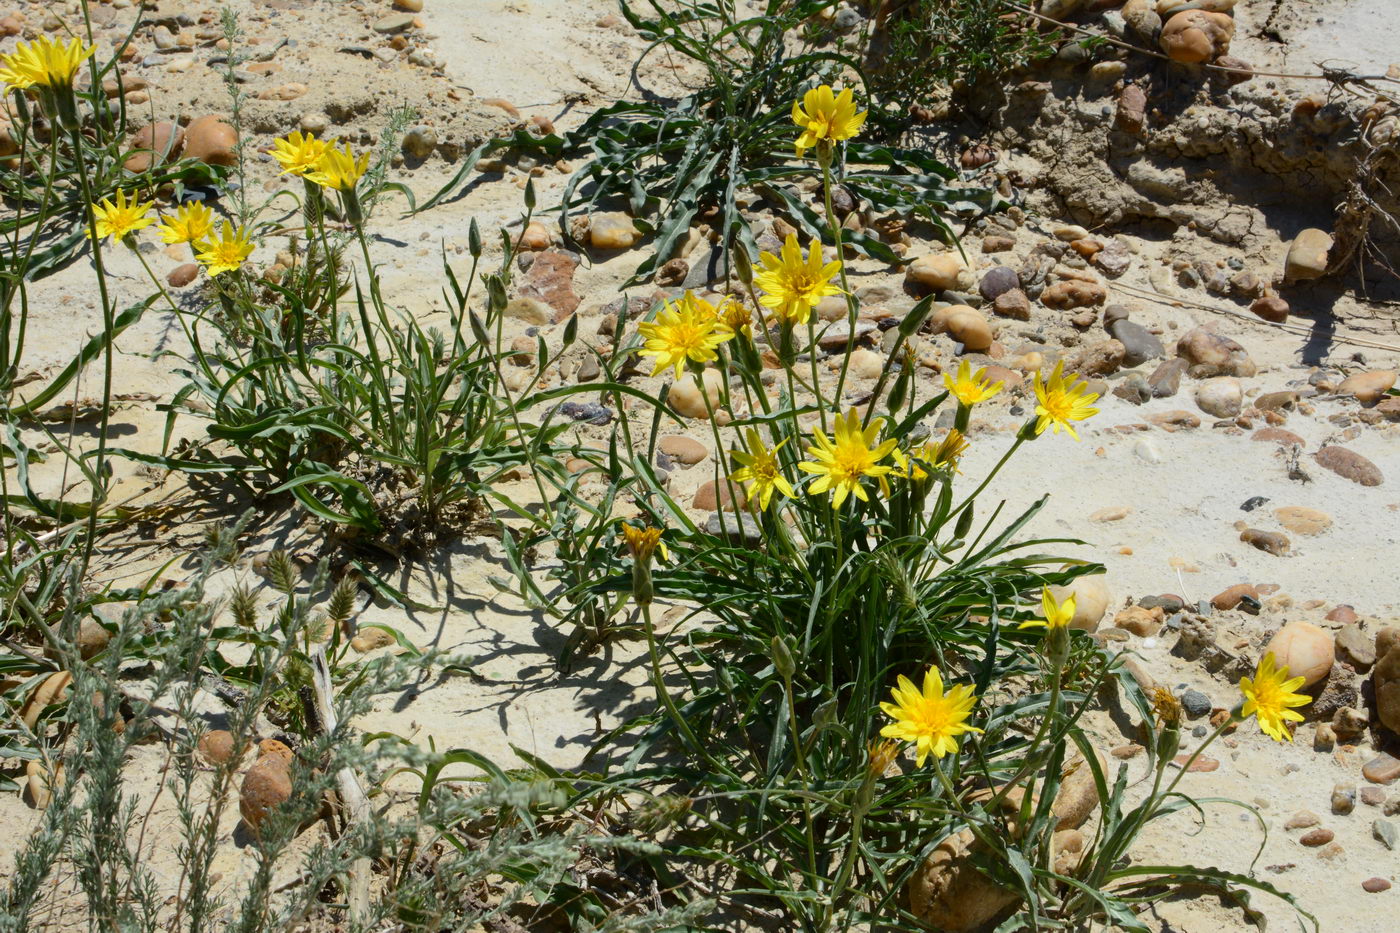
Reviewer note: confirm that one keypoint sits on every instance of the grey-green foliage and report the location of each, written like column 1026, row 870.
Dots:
column 435, row 861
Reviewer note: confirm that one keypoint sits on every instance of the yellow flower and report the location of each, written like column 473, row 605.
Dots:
column 1166, row 706
column 227, row 253
column 825, row 115
column 338, row 168
column 931, row 719
column 1271, row 696
column 193, row 221
column 792, row 286
column 949, row 450
column 943, row 455
column 1061, row 401
column 839, row 466
column 1057, row 615
column 969, row 389
column 760, row 469
column 44, row 62
column 736, row 316
column 688, row 329
column 643, row 542
column 298, row 154
column 117, row 220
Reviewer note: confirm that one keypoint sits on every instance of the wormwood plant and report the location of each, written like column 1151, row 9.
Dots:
column 860, row 573
column 721, row 149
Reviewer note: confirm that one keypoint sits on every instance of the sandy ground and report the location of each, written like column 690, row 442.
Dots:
column 1182, row 490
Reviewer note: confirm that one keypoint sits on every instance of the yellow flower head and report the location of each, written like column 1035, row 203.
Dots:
column 688, row 329
column 643, row 542
column 1061, row 401
column 949, row 450
column 825, row 115
column 881, row 756
column 943, row 455
column 117, row 220
column 931, row 719
column 760, row 469
column 44, row 63
column 1057, row 615
column 193, row 221
column 227, row 253
column 1270, row 696
column 1166, row 706
column 792, row 286
column 840, row 465
column 969, row 389
column 298, row 154
column 736, row 316
column 338, row 168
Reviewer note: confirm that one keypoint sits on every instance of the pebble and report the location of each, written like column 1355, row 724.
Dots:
column 210, row 140
column 685, row 395
column 1202, row 763
column 411, row 6
column 1270, row 541
column 1372, row 796
column 1013, row 304
column 395, row 22
column 182, row 275
column 1306, row 650
column 1210, row 354
column 1303, row 521
column 1277, row 436
column 1221, row 396
column 683, row 449
column 1375, row 885
column 1111, row 514
column 1383, row 769
column 1073, row 293
column 938, row 271
column 1270, row 308
column 1139, row 344
column 1166, row 378
column 1331, row 851
column 1349, row 465
column 1386, row 833
column 997, row 281
column 1302, row 820
column 1317, row 837
column 420, row 141
column 1146, row 449
column 711, row 496
column 867, row 364
column 1195, row 703
column 1230, row 598
column 1195, row 36
column 589, row 412
column 612, row 230
column 1343, row 799
column 739, row 527
column 998, row 244
column 1141, row 622
column 1368, row 388
column 1123, row 752
column 1307, row 255
column 1356, row 648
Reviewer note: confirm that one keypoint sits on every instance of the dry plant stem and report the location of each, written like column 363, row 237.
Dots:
column 352, row 793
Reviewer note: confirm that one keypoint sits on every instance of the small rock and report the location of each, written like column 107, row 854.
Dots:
column 939, row 271
column 1375, row 885
column 683, row 449
column 1143, row 623
column 1349, row 465
column 182, row 275
column 867, row 364
column 1202, row 763
column 409, row 6
column 1012, row 303
column 1307, row 255
column 155, row 143
column 1091, row 598
column 1303, row 819
column 1111, row 514
column 1210, row 354
column 1073, row 293
column 1195, row 703
column 685, row 395
column 1355, row 648
column 267, row 784
column 1317, row 837
column 1303, row 521
column 1270, row 308
column 612, row 230
column 1166, row 378
column 216, row 747
column 1372, row 796
column 420, row 142
column 1230, row 598
column 997, row 281
column 998, row 244
column 1277, row 436
column 1343, row 799
column 1139, row 344
column 395, row 22
column 726, row 495
column 1195, row 36
column 1305, row 649
column 1368, row 388
column 211, row 141
column 1383, row 769
column 1132, row 108
column 1221, row 396
column 1385, row 833
column 739, row 528
column 1271, row 541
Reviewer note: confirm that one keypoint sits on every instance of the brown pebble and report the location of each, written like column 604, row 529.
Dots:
column 1383, row 769
column 1131, row 750
column 1317, row 837
column 710, row 497
column 1333, row 850
column 1372, row 796
column 1375, row 885
column 1343, row 614
column 266, row 785
column 183, row 275
column 1230, row 598
column 1202, row 763
column 216, row 747
column 1270, row 541
column 1303, row 819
